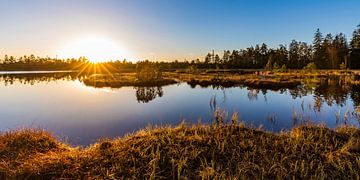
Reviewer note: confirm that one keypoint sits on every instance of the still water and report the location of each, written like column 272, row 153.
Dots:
column 80, row 114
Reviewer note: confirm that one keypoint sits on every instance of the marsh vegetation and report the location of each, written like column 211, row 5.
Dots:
column 220, row 151
column 179, row 90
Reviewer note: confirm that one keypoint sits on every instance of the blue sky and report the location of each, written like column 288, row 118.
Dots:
column 167, row 30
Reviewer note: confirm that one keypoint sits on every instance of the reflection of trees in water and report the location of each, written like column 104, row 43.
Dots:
column 10, row 79
column 253, row 94
column 355, row 94
column 143, row 94
column 332, row 90
column 301, row 91
column 147, row 94
column 264, row 92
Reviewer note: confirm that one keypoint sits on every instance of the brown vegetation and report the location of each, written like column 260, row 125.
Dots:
column 219, row 151
column 253, row 79
column 124, row 79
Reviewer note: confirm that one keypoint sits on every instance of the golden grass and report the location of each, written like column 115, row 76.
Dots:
column 219, row 151
column 253, row 79
column 123, row 79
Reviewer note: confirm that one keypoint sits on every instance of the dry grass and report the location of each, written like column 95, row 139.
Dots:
column 253, row 79
column 220, row 151
column 123, row 79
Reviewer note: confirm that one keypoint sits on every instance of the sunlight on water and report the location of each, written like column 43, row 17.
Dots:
column 82, row 114
column 83, row 87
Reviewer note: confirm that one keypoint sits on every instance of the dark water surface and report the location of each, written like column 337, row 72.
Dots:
column 80, row 115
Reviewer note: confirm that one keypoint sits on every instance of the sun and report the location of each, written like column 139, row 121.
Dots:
column 96, row 49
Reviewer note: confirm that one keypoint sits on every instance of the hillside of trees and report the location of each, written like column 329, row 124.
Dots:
column 325, row 52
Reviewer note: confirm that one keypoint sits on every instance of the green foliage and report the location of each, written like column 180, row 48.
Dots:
column 147, row 71
column 355, row 49
column 310, row 67
column 276, row 66
column 342, row 66
column 192, row 69
column 269, row 65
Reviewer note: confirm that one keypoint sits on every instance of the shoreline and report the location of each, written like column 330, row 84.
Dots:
column 198, row 151
column 257, row 79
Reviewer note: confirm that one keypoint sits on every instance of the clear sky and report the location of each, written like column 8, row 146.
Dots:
column 169, row 29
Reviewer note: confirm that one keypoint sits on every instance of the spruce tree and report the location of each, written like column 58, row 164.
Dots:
column 318, row 49
column 355, row 49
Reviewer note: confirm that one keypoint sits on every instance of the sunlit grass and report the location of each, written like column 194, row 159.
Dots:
column 220, row 151
column 255, row 79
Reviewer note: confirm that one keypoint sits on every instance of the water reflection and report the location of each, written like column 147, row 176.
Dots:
column 253, row 94
column 332, row 90
column 147, row 94
column 143, row 94
column 355, row 94
column 60, row 103
column 34, row 78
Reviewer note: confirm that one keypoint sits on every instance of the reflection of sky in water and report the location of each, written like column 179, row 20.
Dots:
column 84, row 114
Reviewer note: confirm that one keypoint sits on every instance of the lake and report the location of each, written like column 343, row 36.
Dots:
column 80, row 115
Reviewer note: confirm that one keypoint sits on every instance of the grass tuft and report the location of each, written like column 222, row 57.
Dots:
column 222, row 151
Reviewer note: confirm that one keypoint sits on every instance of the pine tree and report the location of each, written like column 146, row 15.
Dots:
column 293, row 55
column 318, row 49
column 226, row 56
column 207, row 58
column 329, row 52
column 217, row 59
column 355, row 49
column 341, row 45
column 305, row 54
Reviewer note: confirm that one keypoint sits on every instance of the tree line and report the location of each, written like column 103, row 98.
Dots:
column 325, row 52
column 32, row 62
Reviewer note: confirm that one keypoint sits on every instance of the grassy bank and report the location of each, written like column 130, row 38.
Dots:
column 199, row 151
column 124, row 79
column 253, row 79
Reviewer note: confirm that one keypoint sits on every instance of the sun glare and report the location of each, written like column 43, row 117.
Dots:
column 96, row 49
